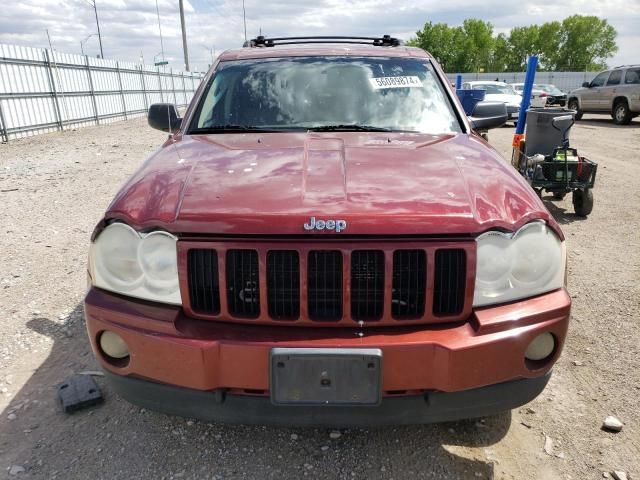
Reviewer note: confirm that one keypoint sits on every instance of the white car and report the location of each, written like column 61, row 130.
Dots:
column 499, row 92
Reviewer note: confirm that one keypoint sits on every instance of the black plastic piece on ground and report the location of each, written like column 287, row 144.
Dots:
column 78, row 392
column 384, row 41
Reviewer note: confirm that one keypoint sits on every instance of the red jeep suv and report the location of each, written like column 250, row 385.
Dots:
column 324, row 239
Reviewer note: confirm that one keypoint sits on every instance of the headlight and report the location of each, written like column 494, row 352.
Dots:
column 513, row 266
column 145, row 266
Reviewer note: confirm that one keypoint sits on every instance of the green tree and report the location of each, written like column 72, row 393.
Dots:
column 444, row 43
column 478, row 43
column 548, row 45
column 586, row 42
column 577, row 43
column 500, row 55
column 523, row 42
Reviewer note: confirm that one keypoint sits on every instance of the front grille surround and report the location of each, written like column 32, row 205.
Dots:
column 347, row 249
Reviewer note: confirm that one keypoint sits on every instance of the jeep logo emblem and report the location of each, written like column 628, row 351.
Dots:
column 337, row 225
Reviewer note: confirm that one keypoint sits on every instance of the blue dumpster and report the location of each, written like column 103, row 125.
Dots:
column 470, row 98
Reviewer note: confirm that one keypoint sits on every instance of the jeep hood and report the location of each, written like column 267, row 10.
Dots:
column 380, row 184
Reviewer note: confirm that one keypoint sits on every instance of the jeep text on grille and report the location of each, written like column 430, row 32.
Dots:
column 337, row 225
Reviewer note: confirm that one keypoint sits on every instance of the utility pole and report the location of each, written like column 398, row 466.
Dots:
column 160, row 28
column 244, row 18
column 184, row 37
column 95, row 10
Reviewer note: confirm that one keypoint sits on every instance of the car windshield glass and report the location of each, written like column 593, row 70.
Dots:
column 330, row 93
column 552, row 89
column 496, row 89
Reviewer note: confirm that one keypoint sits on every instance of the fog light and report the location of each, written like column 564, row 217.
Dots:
column 113, row 345
column 541, row 347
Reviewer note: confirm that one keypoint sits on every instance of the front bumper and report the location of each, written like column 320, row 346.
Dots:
column 557, row 100
column 232, row 360
column 513, row 111
column 430, row 407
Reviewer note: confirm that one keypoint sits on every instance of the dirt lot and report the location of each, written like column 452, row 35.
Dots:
column 53, row 189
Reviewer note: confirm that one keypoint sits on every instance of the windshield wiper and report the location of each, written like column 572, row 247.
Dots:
column 230, row 128
column 349, row 128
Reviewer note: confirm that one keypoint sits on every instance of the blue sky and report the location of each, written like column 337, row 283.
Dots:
column 130, row 27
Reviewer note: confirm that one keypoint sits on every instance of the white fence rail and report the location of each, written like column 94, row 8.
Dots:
column 43, row 90
column 565, row 81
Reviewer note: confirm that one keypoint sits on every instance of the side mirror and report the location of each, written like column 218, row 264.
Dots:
column 164, row 116
column 586, row 85
column 488, row 115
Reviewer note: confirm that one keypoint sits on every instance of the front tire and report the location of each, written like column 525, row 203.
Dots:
column 583, row 202
column 621, row 113
column 574, row 105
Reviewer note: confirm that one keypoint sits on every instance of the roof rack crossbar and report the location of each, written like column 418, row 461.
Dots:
column 384, row 41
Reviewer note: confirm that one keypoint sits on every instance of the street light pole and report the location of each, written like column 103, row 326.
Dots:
column 95, row 10
column 244, row 19
column 82, row 42
column 184, row 37
column 160, row 28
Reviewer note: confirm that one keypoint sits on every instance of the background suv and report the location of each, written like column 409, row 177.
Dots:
column 616, row 91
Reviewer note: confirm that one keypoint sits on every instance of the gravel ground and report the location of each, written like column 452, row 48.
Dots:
column 54, row 188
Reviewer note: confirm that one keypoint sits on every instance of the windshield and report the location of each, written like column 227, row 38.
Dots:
column 300, row 93
column 493, row 88
column 552, row 89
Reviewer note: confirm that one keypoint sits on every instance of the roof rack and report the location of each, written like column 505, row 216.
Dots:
column 384, row 41
column 630, row 65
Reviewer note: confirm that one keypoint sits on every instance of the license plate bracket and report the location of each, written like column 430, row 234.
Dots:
column 326, row 376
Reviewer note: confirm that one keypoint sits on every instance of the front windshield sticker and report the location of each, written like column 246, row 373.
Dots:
column 395, row 82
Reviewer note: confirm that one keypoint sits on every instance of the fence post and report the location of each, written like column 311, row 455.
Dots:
column 124, row 105
column 184, row 89
column 160, row 84
column 52, row 85
column 93, row 92
column 144, row 89
column 4, row 136
column 173, row 88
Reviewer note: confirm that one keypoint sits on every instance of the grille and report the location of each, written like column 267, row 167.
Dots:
column 304, row 283
column 450, row 278
column 243, row 285
column 324, row 283
column 283, row 284
column 409, row 284
column 367, row 284
column 204, row 290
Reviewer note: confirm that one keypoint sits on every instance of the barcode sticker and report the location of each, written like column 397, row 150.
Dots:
column 395, row 82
